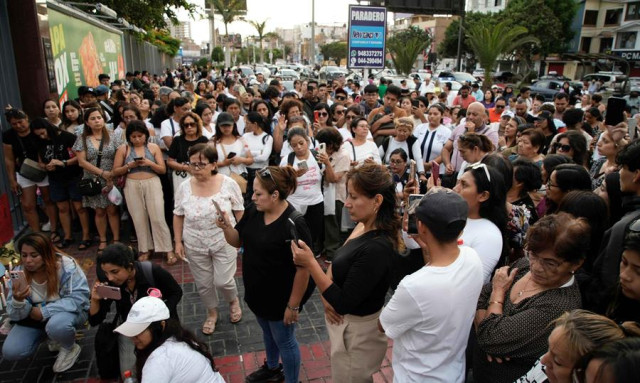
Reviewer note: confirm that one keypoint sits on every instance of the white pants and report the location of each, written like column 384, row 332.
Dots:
column 214, row 271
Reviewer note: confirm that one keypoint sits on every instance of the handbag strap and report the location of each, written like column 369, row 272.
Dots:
column 99, row 151
column 24, row 150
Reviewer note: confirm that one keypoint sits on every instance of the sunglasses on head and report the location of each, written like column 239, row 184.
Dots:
column 481, row 166
column 265, row 172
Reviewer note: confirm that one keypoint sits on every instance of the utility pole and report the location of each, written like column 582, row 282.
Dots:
column 312, row 59
column 212, row 30
column 459, row 58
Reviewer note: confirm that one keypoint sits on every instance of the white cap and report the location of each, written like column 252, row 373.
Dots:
column 507, row 113
column 144, row 312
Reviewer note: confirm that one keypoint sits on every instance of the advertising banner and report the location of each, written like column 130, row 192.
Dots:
column 367, row 37
column 81, row 51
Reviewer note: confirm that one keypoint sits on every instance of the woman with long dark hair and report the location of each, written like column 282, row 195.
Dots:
column 71, row 116
column 260, row 144
column 355, row 285
column 165, row 351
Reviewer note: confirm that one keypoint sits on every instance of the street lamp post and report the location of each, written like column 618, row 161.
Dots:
column 312, row 59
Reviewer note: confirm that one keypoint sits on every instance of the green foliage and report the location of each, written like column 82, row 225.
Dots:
column 163, row 40
column 449, row 46
column 217, row 54
column 260, row 27
column 202, row 62
column 148, row 14
column 489, row 41
column 405, row 46
column 548, row 20
column 230, row 10
column 336, row 50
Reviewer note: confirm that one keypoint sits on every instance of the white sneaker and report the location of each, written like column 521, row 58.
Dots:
column 46, row 226
column 66, row 358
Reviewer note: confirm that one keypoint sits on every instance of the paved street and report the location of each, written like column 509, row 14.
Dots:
column 237, row 349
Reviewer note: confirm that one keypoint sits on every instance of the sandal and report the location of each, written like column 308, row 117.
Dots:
column 55, row 237
column 235, row 312
column 65, row 243
column 85, row 244
column 143, row 256
column 171, row 258
column 209, row 326
column 100, row 247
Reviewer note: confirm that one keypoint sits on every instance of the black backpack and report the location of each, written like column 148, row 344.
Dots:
column 410, row 141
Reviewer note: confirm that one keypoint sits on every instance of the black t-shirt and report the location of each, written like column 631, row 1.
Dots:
column 180, row 147
column 362, row 270
column 60, row 149
column 21, row 145
column 267, row 263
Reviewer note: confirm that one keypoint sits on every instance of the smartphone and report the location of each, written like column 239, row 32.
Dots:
column 615, row 111
column 632, row 124
column 293, row 230
column 231, row 155
column 322, row 148
column 109, row 292
column 18, row 278
column 215, row 204
column 414, row 201
column 316, row 115
column 435, row 172
column 415, row 103
column 303, row 165
column 412, row 169
column 137, row 159
column 387, row 110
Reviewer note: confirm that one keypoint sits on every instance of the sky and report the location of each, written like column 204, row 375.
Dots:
column 278, row 13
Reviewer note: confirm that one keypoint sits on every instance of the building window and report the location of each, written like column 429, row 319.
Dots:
column 606, row 44
column 633, row 11
column 590, row 18
column 626, row 40
column 585, row 44
column 612, row 17
column 498, row 3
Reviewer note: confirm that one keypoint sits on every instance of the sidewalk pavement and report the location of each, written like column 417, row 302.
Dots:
column 237, row 348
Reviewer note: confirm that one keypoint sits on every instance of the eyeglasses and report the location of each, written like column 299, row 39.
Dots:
column 339, row 112
column 323, row 114
column 562, row 148
column 350, row 117
column 190, row 124
column 397, row 162
column 340, row 98
column 500, row 106
column 198, row 165
column 480, row 166
column 549, row 184
column 265, row 172
column 546, row 263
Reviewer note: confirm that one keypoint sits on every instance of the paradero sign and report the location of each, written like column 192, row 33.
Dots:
column 427, row 7
column 367, row 30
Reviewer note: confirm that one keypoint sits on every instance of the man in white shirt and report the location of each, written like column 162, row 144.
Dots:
column 431, row 313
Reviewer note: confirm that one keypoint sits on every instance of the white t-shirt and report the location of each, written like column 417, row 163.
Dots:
column 239, row 148
column 260, row 148
column 346, row 134
column 177, row 362
column 240, row 124
column 362, row 152
column 429, row 319
column 440, row 137
column 309, row 190
column 166, row 130
column 404, row 145
column 485, row 238
column 207, row 133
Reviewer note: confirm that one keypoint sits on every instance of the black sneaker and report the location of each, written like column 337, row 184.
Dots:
column 265, row 374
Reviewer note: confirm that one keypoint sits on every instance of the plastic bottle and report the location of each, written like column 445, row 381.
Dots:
column 128, row 378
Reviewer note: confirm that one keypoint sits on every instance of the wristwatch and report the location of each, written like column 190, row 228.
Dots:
column 64, row 162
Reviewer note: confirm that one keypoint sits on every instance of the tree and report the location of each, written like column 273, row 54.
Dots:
column 229, row 10
column 448, row 47
column 489, row 41
column 336, row 50
column 405, row 46
column 260, row 29
column 217, row 54
column 148, row 14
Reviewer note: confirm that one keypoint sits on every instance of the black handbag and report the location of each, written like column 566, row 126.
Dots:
column 91, row 186
column 106, row 348
column 29, row 168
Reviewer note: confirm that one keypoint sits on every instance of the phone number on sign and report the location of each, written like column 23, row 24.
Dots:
column 369, row 60
column 369, row 53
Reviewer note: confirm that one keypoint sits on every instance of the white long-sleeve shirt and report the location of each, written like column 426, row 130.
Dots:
column 260, row 147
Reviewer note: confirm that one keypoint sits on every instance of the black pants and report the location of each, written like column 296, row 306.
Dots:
column 315, row 220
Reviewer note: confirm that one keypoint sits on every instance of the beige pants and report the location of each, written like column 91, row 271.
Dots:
column 146, row 204
column 214, row 271
column 357, row 348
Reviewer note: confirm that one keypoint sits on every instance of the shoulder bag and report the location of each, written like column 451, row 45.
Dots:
column 240, row 180
column 91, row 186
column 29, row 168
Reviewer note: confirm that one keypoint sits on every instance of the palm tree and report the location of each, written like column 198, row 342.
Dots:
column 488, row 42
column 230, row 10
column 405, row 46
column 260, row 26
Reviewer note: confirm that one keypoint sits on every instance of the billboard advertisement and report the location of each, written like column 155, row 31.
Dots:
column 367, row 32
column 80, row 52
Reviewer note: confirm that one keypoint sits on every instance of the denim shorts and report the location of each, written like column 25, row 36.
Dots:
column 65, row 189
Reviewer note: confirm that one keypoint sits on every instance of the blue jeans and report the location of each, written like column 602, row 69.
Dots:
column 280, row 341
column 23, row 341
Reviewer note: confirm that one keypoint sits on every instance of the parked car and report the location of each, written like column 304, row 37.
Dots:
column 614, row 81
column 264, row 70
column 331, row 73
column 288, row 74
column 460, row 77
column 548, row 88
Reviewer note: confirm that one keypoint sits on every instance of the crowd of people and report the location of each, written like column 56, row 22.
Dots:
column 505, row 228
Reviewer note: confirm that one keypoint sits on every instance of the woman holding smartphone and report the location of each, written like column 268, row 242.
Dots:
column 117, row 267
column 234, row 154
column 355, row 285
column 142, row 162
column 51, row 299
